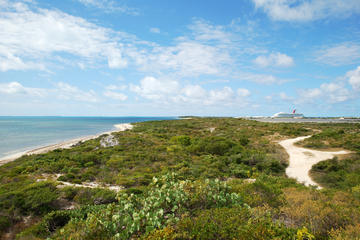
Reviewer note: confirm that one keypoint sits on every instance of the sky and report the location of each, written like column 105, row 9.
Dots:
column 179, row 57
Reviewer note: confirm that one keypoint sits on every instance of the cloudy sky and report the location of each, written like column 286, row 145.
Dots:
column 179, row 57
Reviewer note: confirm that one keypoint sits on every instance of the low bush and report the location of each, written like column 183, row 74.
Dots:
column 260, row 193
column 35, row 198
column 4, row 224
column 320, row 213
column 212, row 145
column 164, row 203
column 340, row 174
column 93, row 196
column 349, row 232
column 55, row 220
column 182, row 140
column 227, row 224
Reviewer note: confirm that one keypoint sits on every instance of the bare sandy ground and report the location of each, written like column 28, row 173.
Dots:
column 66, row 144
column 302, row 159
column 62, row 184
column 91, row 185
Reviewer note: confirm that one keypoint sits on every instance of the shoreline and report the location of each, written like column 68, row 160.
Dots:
column 64, row 144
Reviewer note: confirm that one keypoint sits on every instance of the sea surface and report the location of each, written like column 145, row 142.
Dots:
column 19, row 134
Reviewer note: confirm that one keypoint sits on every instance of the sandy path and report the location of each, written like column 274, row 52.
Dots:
column 90, row 185
column 66, row 144
column 302, row 159
column 62, row 184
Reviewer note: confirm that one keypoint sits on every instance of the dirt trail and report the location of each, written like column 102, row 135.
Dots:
column 302, row 159
column 91, row 185
column 62, row 184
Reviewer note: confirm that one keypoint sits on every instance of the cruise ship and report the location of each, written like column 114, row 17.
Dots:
column 288, row 115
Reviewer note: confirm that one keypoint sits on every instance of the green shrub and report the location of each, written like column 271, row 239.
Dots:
column 218, row 223
column 318, row 212
column 167, row 199
column 212, row 145
column 182, row 140
column 349, row 232
column 69, row 192
column 339, row 174
column 226, row 224
column 37, row 198
column 55, row 220
column 96, row 196
column 4, row 224
column 260, row 193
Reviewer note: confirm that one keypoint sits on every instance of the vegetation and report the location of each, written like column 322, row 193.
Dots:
column 342, row 172
column 200, row 178
column 335, row 136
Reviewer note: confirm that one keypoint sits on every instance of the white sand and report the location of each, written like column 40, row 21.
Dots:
column 90, row 185
column 302, row 159
column 65, row 144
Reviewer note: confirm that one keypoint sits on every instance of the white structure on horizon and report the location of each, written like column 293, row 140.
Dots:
column 288, row 115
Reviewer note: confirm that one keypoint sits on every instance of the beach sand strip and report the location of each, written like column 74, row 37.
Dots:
column 65, row 144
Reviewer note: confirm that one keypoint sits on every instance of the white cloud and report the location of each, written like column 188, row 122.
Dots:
column 204, row 31
column 219, row 96
column 285, row 97
column 197, row 95
column 116, row 87
column 66, row 91
column 169, row 91
column 61, row 90
column 261, row 78
column 115, row 95
column 206, row 50
column 354, row 78
column 115, row 60
column 340, row 54
column 187, row 58
column 155, row 89
column 300, row 10
column 335, row 92
column 17, row 88
column 30, row 38
column 308, row 94
column 243, row 92
column 269, row 98
column 194, row 92
column 328, row 92
column 154, row 30
column 109, row 6
column 8, row 61
column 274, row 59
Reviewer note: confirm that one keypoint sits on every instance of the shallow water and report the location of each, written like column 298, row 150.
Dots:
column 18, row 134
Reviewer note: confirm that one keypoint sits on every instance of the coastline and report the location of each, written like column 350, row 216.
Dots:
column 65, row 144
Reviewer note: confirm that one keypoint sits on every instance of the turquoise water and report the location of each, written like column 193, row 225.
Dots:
column 18, row 134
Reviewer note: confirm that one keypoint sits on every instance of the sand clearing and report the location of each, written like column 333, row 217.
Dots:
column 66, row 144
column 90, row 185
column 302, row 159
column 62, row 184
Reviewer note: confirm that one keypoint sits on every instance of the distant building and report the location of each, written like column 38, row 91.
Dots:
column 288, row 115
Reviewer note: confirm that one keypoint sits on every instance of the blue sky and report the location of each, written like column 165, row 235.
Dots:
column 179, row 57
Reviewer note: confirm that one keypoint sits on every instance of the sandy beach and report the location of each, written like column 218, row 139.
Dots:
column 302, row 159
column 65, row 144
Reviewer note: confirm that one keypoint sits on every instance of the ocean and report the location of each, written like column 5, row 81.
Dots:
column 19, row 134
